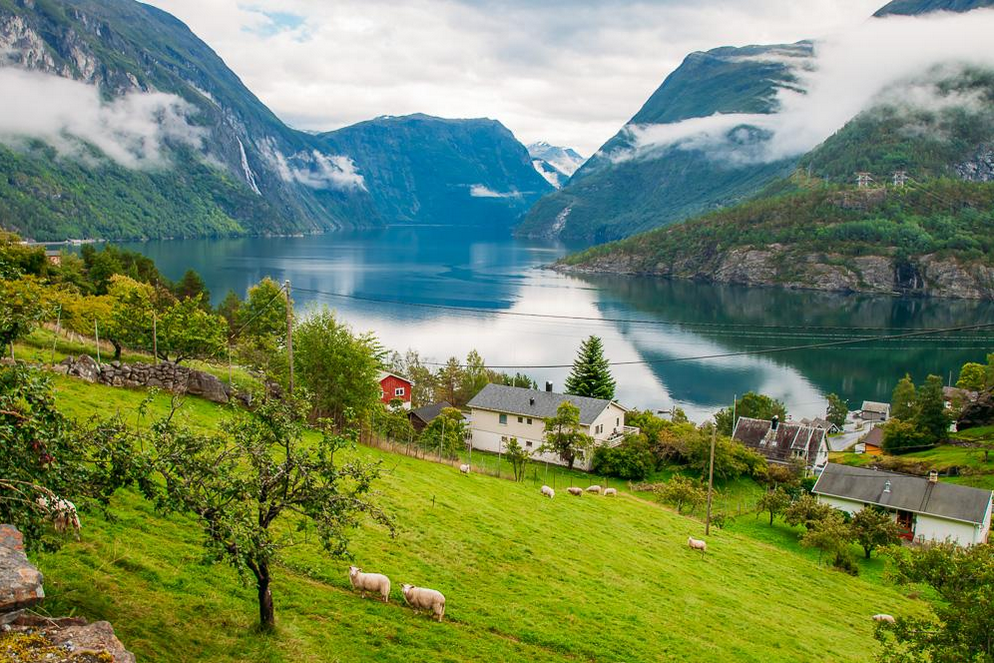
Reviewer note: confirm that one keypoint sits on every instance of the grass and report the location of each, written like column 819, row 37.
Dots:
column 526, row 578
column 968, row 462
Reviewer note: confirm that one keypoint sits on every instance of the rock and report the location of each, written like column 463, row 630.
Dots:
column 20, row 581
column 76, row 636
column 86, row 368
column 977, row 413
column 207, row 386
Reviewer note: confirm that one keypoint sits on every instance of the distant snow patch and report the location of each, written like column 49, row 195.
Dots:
column 481, row 191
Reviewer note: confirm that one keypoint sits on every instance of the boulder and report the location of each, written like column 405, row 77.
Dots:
column 977, row 413
column 20, row 581
column 207, row 386
column 73, row 637
column 84, row 367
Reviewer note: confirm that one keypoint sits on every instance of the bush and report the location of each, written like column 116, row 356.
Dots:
column 632, row 459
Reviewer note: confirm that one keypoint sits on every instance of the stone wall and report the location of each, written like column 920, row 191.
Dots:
column 166, row 375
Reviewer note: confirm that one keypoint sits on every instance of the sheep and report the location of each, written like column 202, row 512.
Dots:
column 63, row 514
column 548, row 492
column 884, row 618
column 369, row 582
column 610, row 492
column 594, row 489
column 421, row 598
column 464, row 469
column 697, row 544
column 573, row 490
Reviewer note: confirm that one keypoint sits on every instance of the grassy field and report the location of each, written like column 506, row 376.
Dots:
column 526, row 578
column 968, row 461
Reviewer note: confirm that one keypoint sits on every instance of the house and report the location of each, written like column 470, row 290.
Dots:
column 395, row 388
column 926, row 509
column 872, row 443
column 823, row 424
column 53, row 256
column 422, row 416
column 783, row 442
column 499, row 413
column 874, row 411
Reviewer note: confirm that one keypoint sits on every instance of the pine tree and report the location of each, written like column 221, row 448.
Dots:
column 591, row 374
column 902, row 402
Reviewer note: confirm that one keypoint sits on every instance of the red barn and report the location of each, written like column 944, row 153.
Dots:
column 394, row 387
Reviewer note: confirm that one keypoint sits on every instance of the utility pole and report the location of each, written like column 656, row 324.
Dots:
column 900, row 178
column 58, row 330
column 155, row 340
column 96, row 336
column 863, row 180
column 289, row 330
column 707, row 522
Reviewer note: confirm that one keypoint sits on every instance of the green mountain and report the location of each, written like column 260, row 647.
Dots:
column 915, row 7
column 223, row 163
column 622, row 190
column 419, row 168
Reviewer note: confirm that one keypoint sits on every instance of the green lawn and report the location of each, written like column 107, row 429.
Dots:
column 526, row 578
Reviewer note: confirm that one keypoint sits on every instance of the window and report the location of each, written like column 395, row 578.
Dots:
column 617, row 421
column 502, row 419
column 528, row 443
column 520, row 419
column 399, row 391
column 529, row 423
column 381, row 394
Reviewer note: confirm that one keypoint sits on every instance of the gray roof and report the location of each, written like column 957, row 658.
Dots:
column 874, row 406
column 427, row 413
column 534, row 403
column 781, row 444
column 907, row 493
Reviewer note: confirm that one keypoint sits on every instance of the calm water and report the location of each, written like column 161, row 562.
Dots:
column 475, row 268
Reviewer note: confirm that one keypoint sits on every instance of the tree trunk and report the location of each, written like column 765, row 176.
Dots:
column 267, row 613
column 117, row 349
column 868, row 550
column 771, row 519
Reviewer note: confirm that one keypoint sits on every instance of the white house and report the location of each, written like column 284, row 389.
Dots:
column 499, row 413
column 874, row 411
column 783, row 442
column 926, row 509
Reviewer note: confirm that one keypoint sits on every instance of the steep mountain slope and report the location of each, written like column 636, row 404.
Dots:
column 915, row 7
column 419, row 168
column 125, row 125
column 628, row 186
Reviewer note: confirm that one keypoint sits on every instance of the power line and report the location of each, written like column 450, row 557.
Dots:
column 257, row 314
column 727, row 355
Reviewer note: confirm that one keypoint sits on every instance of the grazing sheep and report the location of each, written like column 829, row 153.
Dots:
column 594, row 489
column 464, row 469
column 370, row 582
column 421, row 598
column 697, row 544
column 573, row 490
column 884, row 618
column 610, row 492
column 548, row 492
column 63, row 514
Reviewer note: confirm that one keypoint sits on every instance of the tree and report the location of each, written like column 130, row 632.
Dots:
column 902, row 400
column 873, row 528
column 229, row 308
column 135, row 306
column 422, row 378
column 256, row 488
column 339, row 369
column 260, row 329
column 900, row 435
column 931, row 415
column 783, row 475
column 447, row 382
column 837, row 410
column 445, row 434
column 45, row 454
column 832, row 536
column 682, row 492
column 972, row 377
column 24, row 307
column 753, row 405
column 518, row 456
column 631, row 459
column 564, row 437
column 775, row 502
column 807, row 511
column 591, row 373
column 731, row 458
column 192, row 285
column 963, row 579
column 472, row 378
column 188, row 331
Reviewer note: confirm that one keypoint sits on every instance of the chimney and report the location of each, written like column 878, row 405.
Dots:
column 774, row 422
column 887, row 487
column 933, row 476
column 548, row 386
column 531, row 401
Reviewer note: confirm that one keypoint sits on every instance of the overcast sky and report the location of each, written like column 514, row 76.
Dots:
column 568, row 72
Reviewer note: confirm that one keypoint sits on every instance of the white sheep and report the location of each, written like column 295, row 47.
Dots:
column 884, row 618
column 370, row 582
column 464, row 469
column 421, row 598
column 610, row 492
column 548, row 492
column 594, row 489
column 574, row 490
column 63, row 514
column 697, row 544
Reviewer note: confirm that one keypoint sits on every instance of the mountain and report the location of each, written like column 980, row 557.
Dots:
column 915, row 7
column 121, row 123
column 630, row 185
column 419, row 168
column 555, row 164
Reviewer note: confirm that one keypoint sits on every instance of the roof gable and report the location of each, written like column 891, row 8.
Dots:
column 427, row 413
column 534, row 403
column 787, row 441
column 904, row 492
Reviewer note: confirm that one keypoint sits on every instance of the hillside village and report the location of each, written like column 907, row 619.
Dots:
column 845, row 494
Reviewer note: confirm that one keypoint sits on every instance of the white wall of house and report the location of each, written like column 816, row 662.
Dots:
column 929, row 528
column 490, row 433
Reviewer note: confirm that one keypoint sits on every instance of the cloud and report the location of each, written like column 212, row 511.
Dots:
column 315, row 169
column 896, row 62
column 571, row 73
column 131, row 130
column 481, row 191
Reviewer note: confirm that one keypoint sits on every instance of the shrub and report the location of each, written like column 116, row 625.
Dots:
column 631, row 459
